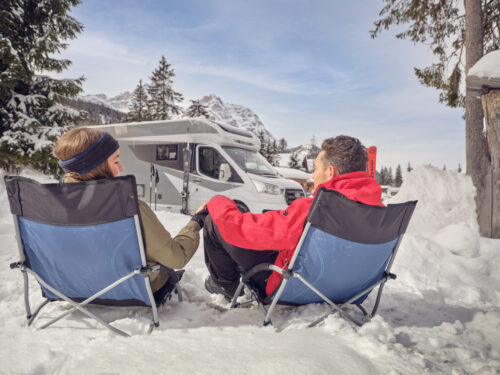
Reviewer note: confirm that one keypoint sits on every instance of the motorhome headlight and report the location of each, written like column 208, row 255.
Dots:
column 263, row 187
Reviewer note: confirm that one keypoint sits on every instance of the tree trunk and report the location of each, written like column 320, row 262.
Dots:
column 477, row 154
column 491, row 105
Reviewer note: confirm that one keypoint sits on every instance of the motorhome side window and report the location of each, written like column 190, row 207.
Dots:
column 166, row 152
column 212, row 164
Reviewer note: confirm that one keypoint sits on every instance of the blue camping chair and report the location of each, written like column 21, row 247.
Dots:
column 83, row 243
column 346, row 250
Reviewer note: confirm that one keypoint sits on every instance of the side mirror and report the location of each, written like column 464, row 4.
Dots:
column 224, row 172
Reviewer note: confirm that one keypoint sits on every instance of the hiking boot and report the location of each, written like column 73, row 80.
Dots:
column 213, row 288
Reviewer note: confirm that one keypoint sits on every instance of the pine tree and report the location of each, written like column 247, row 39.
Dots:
column 294, row 161
column 162, row 97
column 390, row 179
column 409, row 168
column 458, row 34
column 314, row 149
column 33, row 113
column 138, row 106
column 444, row 167
column 196, row 109
column 283, row 145
column 263, row 143
column 382, row 176
column 398, row 179
column 459, row 168
column 274, row 154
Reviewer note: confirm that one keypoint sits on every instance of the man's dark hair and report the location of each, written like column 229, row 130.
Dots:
column 345, row 153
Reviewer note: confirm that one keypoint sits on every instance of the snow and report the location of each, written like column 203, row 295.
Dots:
column 488, row 66
column 440, row 316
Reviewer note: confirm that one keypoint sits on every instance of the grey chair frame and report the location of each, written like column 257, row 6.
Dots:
column 288, row 273
column 80, row 306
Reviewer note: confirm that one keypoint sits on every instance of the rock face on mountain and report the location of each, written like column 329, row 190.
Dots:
column 235, row 114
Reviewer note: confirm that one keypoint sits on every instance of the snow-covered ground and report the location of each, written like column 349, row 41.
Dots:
column 441, row 315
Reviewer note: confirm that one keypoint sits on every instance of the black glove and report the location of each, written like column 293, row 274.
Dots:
column 200, row 216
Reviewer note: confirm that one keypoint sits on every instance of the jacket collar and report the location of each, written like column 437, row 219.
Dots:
column 357, row 186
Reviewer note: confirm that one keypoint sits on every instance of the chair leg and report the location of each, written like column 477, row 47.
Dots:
column 79, row 306
column 236, row 294
column 26, row 295
column 32, row 317
column 179, row 293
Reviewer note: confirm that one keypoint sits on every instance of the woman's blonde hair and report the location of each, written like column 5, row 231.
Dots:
column 74, row 142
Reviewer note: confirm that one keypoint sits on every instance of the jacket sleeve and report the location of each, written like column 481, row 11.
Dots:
column 272, row 230
column 161, row 247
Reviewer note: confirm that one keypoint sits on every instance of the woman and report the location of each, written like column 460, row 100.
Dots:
column 90, row 154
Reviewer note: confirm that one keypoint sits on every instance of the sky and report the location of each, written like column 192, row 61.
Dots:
column 305, row 67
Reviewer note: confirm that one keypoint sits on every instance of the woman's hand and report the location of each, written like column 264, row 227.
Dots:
column 200, row 215
column 201, row 208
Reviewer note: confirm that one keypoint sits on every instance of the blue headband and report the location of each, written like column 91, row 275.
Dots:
column 91, row 158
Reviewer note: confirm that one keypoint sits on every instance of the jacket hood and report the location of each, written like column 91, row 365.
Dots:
column 358, row 186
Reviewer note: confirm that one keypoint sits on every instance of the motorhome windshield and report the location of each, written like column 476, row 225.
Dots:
column 250, row 161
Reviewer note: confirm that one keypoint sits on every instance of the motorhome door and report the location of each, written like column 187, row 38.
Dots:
column 213, row 175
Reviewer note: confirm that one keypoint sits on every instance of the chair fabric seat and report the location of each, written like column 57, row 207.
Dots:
column 99, row 254
column 339, row 268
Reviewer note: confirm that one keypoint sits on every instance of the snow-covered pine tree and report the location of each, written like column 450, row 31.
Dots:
column 32, row 110
column 398, row 179
column 162, row 97
column 196, row 109
column 459, row 168
column 409, row 168
column 138, row 106
column 294, row 161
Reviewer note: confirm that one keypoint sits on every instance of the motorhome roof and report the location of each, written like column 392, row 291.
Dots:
column 168, row 130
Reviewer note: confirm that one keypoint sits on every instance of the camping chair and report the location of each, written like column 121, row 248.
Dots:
column 346, row 250
column 83, row 243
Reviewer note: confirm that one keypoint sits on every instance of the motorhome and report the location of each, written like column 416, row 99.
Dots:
column 181, row 164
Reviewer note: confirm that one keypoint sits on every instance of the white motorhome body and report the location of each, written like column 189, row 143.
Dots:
column 224, row 159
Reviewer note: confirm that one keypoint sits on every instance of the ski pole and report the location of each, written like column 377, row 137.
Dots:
column 151, row 174
column 157, row 179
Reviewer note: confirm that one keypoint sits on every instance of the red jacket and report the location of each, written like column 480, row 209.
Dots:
column 281, row 230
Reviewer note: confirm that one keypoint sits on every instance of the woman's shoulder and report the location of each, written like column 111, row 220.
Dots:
column 144, row 208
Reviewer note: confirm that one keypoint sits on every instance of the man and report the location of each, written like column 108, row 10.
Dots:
column 234, row 242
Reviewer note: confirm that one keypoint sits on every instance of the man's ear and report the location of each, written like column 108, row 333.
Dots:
column 333, row 171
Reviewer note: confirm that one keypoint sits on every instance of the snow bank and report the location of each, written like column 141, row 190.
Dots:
column 441, row 315
column 442, row 254
column 488, row 66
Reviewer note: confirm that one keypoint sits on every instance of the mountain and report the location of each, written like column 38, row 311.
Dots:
column 310, row 150
column 98, row 112
column 119, row 102
column 235, row 114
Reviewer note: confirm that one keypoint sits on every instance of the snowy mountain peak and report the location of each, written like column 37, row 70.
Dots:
column 235, row 114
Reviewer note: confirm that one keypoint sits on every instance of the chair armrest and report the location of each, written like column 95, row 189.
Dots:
column 258, row 268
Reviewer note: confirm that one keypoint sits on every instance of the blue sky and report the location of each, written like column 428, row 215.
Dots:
column 305, row 67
